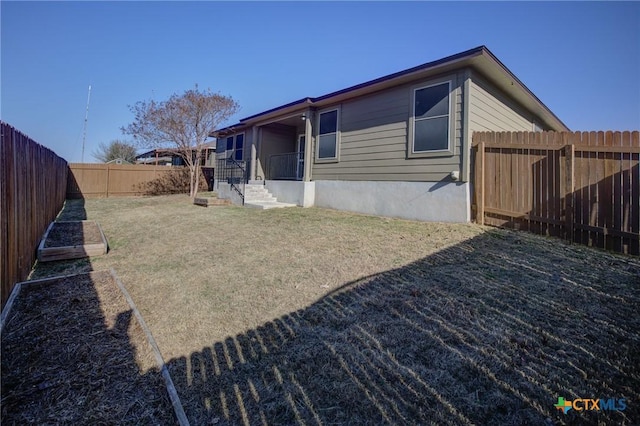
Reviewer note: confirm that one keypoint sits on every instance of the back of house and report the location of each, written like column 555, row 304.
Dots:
column 397, row 146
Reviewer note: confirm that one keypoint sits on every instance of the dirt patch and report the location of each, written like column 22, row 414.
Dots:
column 68, row 234
column 72, row 352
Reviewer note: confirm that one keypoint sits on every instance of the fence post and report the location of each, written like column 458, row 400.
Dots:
column 569, row 189
column 107, row 187
column 480, row 183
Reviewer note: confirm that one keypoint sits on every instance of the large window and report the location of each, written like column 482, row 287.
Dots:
column 328, row 135
column 431, row 106
column 235, row 147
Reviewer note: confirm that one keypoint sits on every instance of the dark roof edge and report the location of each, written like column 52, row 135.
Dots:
column 452, row 58
column 290, row 104
column 476, row 51
column 309, row 100
column 508, row 71
column 218, row 132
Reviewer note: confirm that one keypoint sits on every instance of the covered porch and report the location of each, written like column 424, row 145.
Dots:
column 273, row 151
column 282, row 150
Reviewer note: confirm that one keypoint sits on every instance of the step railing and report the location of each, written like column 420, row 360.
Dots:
column 235, row 173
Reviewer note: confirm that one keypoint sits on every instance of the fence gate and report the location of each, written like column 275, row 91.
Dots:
column 582, row 186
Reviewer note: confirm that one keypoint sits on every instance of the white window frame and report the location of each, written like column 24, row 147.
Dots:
column 336, row 158
column 449, row 151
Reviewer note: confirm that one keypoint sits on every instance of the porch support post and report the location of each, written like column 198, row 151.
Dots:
column 308, row 147
column 254, row 143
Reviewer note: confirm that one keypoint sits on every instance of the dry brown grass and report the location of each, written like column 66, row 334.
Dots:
column 316, row 316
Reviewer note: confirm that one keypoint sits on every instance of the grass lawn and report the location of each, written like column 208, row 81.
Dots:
column 315, row 316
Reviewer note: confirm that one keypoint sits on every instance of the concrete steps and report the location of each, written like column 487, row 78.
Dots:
column 256, row 196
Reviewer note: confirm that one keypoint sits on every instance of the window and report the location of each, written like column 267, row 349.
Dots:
column 220, row 145
column 430, row 126
column 328, row 135
column 235, row 147
column 238, row 154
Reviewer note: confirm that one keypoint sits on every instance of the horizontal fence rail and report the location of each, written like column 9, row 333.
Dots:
column 87, row 180
column 287, row 166
column 33, row 181
column 582, row 186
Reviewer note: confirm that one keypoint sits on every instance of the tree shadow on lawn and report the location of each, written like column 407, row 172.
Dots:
column 489, row 331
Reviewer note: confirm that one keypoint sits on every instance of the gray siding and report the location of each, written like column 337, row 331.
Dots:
column 490, row 110
column 373, row 139
column 274, row 140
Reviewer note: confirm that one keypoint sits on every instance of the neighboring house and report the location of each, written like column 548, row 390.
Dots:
column 398, row 146
column 165, row 157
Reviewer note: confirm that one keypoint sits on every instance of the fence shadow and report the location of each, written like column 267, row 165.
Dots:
column 490, row 331
column 68, row 358
column 73, row 209
column 72, row 353
column 74, row 190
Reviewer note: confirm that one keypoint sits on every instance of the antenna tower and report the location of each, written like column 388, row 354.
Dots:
column 86, row 119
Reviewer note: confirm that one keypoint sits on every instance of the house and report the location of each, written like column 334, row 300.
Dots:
column 168, row 157
column 397, row 146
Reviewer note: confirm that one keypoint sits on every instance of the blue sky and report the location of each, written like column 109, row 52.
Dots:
column 582, row 59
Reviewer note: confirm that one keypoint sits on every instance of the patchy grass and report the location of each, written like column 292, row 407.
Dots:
column 237, row 268
column 317, row 316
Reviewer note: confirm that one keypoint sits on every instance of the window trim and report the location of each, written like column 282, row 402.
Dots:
column 336, row 158
column 235, row 146
column 449, row 151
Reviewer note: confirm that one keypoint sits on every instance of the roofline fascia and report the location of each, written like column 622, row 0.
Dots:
column 307, row 102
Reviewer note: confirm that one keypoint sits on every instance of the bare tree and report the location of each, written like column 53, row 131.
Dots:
column 181, row 125
column 114, row 150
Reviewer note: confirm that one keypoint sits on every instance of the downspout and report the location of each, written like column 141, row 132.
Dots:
column 465, row 173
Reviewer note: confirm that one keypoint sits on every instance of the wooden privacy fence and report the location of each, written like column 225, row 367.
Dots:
column 33, row 181
column 582, row 186
column 117, row 180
